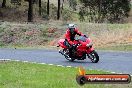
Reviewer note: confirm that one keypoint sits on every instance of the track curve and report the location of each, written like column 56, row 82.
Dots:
column 120, row 62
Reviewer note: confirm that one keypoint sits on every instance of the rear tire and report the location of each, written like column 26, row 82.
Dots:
column 72, row 59
column 66, row 51
column 94, row 56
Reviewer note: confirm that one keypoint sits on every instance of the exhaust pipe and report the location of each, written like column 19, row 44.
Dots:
column 63, row 54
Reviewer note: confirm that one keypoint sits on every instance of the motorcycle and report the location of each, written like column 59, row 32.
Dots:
column 84, row 47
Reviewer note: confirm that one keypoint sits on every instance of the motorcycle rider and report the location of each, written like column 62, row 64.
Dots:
column 71, row 31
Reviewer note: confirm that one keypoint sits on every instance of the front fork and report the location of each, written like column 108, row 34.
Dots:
column 91, row 55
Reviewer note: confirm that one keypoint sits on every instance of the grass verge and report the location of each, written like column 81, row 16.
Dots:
column 30, row 75
column 117, row 48
column 113, row 48
column 35, row 35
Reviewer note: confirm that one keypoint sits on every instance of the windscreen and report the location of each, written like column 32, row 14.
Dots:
column 82, row 38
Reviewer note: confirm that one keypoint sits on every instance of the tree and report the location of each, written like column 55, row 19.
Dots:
column 111, row 10
column 30, row 11
column 48, row 7
column 58, row 11
column 40, row 7
column 4, row 4
column 62, row 4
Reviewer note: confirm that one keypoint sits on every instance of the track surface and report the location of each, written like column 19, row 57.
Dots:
column 120, row 62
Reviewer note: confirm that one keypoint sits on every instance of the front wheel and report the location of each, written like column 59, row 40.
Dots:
column 94, row 56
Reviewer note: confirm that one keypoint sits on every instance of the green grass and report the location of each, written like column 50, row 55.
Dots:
column 117, row 48
column 29, row 75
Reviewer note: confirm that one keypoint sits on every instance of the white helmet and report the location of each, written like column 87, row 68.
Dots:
column 71, row 25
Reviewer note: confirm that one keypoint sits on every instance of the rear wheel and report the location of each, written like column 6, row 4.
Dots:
column 94, row 56
column 70, row 59
column 66, row 51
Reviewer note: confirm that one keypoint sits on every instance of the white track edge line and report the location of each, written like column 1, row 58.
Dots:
column 58, row 65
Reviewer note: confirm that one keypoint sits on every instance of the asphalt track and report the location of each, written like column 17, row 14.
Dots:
column 119, row 62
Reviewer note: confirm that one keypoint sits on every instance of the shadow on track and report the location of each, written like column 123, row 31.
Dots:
column 84, row 62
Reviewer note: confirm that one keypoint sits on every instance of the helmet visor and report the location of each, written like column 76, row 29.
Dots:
column 72, row 30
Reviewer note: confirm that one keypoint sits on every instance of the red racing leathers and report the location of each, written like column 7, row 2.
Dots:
column 70, row 37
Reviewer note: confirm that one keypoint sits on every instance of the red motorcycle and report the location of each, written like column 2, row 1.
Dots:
column 84, row 47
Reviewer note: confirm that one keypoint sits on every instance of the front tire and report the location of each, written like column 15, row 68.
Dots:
column 94, row 56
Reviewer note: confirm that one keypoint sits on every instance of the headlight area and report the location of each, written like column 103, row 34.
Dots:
column 89, row 45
